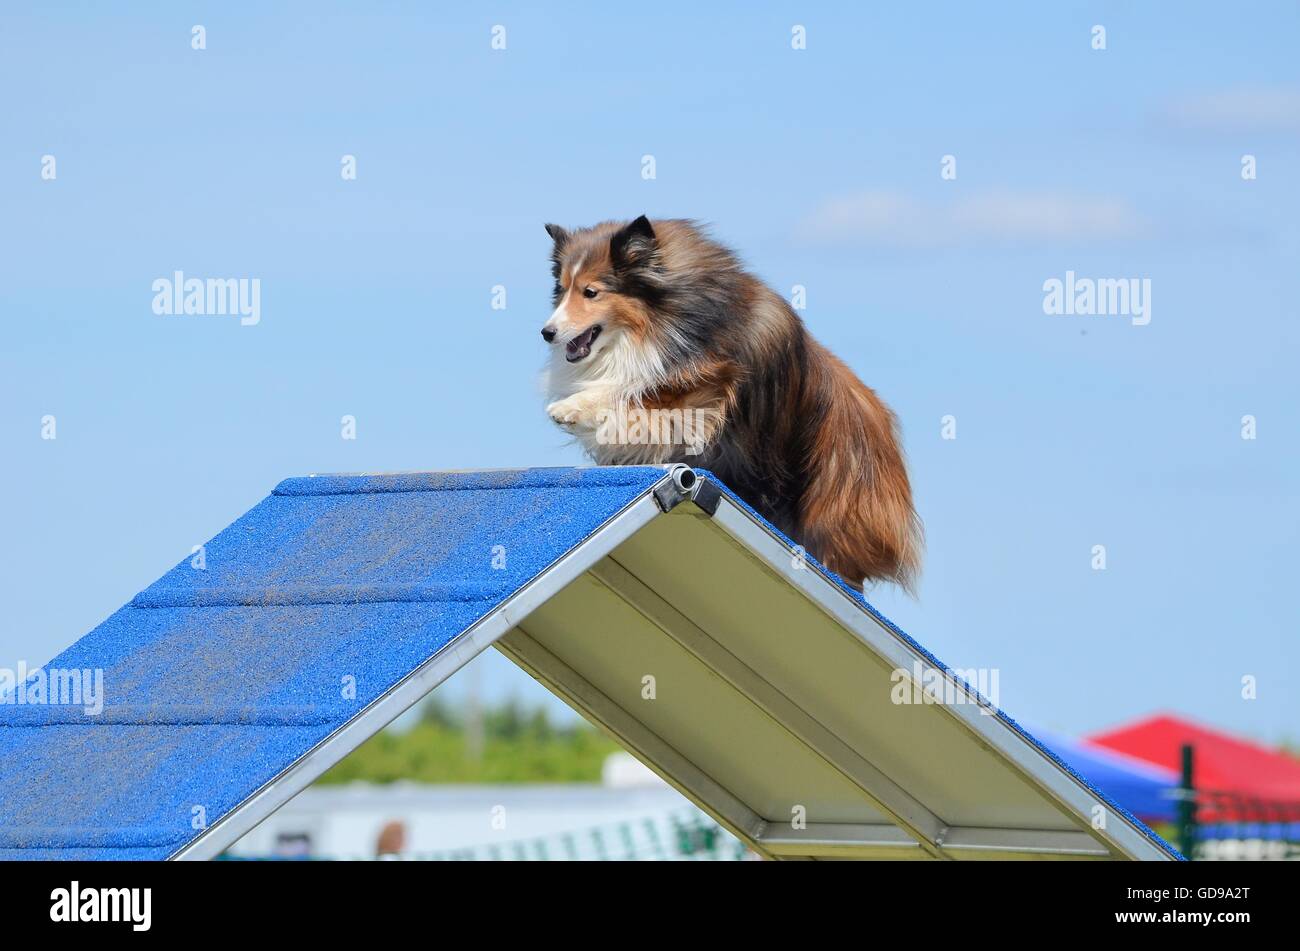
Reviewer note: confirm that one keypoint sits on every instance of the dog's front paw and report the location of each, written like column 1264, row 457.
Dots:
column 566, row 413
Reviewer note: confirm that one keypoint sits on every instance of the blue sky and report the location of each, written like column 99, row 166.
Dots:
column 820, row 166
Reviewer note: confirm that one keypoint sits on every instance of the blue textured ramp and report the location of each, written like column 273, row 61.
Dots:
column 217, row 680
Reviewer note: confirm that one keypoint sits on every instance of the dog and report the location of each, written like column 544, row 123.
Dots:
column 664, row 349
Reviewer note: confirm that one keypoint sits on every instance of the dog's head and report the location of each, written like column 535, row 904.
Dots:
column 604, row 288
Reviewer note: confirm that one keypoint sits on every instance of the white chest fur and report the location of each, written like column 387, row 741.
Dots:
column 594, row 399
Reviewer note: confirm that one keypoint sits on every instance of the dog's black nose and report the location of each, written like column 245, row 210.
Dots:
column 548, row 334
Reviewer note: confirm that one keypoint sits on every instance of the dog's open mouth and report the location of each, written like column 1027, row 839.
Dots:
column 580, row 346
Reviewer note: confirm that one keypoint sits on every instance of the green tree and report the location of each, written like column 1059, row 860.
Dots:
column 520, row 746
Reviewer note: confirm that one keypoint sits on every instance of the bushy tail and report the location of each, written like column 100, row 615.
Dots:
column 856, row 515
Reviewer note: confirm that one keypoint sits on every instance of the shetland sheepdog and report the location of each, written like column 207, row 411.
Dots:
column 664, row 349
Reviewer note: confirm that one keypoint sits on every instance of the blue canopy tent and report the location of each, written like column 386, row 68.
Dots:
column 1146, row 790
column 650, row 599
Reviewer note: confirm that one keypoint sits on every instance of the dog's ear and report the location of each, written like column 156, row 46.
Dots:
column 633, row 244
column 558, row 235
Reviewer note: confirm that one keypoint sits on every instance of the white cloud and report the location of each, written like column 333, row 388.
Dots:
column 1001, row 216
column 1242, row 109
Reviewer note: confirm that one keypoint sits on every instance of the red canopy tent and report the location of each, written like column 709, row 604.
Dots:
column 1251, row 775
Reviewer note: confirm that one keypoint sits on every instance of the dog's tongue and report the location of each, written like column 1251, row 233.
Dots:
column 580, row 346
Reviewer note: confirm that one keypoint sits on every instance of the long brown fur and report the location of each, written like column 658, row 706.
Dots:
column 789, row 427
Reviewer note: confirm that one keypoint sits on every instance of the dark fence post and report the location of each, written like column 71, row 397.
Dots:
column 1187, row 804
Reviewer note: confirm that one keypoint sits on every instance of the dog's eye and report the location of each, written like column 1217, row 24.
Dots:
column 589, row 292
